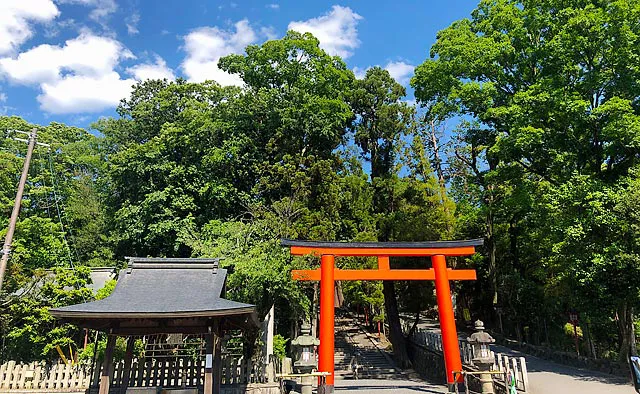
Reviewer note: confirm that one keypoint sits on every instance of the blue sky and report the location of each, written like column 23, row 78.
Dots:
column 71, row 61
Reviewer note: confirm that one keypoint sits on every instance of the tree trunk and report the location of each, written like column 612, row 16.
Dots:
column 314, row 311
column 513, row 245
column 437, row 162
column 491, row 248
column 592, row 348
column 395, row 328
column 339, row 296
column 626, row 332
column 414, row 327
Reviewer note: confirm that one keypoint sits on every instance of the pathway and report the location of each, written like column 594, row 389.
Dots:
column 386, row 386
column 377, row 373
column 548, row 377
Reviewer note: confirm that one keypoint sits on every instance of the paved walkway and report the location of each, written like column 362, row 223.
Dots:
column 548, row 377
column 377, row 369
column 545, row 377
column 382, row 386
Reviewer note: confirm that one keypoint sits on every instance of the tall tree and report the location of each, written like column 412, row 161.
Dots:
column 550, row 87
column 383, row 119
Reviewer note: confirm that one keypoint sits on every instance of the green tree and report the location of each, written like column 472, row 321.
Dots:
column 31, row 332
column 544, row 91
column 400, row 204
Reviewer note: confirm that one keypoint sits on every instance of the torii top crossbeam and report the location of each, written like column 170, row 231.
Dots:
column 327, row 275
column 428, row 248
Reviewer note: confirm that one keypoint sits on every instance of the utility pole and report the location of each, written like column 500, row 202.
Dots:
column 6, row 249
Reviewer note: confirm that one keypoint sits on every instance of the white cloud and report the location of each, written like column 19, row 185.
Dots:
column 400, row 71
column 15, row 16
column 85, row 55
column 132, row 23
column 52, row 29
column 360, row 72
column 206, row 45
column 79, row 76
column 157, row 70
column 101, row 8
column 79, row 93
column 269, row 32
column 3, row 97
column 336, row 30
column 273, row 6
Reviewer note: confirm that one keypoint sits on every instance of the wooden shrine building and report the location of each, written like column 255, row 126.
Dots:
column 164, row 296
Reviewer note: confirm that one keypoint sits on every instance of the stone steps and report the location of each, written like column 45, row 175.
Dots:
column 349, row 341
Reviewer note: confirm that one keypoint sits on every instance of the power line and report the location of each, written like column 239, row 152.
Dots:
column 55, row 199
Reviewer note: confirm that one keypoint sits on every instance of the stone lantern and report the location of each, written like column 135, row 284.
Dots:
column 305, row 357
column 482, row 356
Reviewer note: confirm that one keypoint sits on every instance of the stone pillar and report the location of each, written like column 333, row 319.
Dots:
column 486, row 381
column 483, row 358
column 307, row 385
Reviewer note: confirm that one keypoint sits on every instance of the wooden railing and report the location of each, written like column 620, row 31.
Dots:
column 166, row 372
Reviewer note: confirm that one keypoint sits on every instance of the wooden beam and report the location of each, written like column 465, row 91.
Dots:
column 217, row 361
column 208, row 364
column 384, row 274
column 337, row 251
column 128, row 357
column 383, row 263
column 105, row 377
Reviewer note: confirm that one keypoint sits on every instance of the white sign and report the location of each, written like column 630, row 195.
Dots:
column 208, row 361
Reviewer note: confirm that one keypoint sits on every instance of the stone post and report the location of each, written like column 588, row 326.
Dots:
column 304, row 346
column 482, row 356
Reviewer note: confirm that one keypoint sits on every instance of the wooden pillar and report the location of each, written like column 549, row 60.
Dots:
column 208, row 364
column 107, row 365
column 128, row 357
column 217, row 362
column 450, row 347
column 327, row 321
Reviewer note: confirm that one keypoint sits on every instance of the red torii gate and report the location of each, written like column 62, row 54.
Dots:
column 327, row 275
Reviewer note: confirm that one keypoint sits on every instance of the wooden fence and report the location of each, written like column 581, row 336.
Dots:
column 165, row 372
column 515, row 367
column 37, row 376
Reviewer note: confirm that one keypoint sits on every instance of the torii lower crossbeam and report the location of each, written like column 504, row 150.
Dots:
column 327, row 275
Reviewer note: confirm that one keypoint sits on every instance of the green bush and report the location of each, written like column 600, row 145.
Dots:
column 280, row 346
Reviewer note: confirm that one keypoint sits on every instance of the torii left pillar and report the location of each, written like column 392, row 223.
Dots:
column 450, row 347
column 327, row 323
